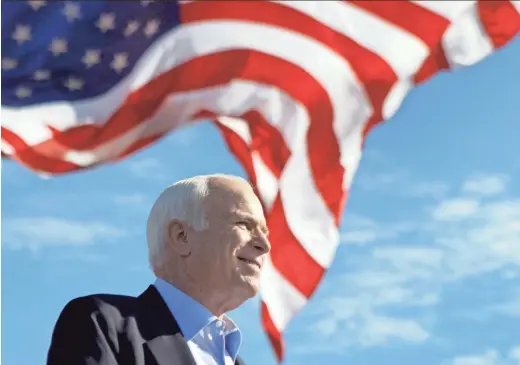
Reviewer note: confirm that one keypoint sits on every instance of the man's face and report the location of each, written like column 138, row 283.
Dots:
column 229, row 254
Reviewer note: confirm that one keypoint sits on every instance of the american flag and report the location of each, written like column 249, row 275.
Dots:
column 294, row 87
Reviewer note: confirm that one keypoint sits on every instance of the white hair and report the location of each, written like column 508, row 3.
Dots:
column 183, row 200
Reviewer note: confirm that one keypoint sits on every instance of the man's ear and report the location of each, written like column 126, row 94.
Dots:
column 177, row 237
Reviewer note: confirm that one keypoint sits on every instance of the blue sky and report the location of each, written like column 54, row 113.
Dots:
column 428, row 272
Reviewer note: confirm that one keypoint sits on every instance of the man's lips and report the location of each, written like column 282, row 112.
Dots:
column 252, row 262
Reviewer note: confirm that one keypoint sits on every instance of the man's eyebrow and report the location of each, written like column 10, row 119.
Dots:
column 252, row 219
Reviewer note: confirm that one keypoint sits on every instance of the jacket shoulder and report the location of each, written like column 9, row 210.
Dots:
column 109, row 305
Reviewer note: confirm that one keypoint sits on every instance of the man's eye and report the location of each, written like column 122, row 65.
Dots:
column 243, row 224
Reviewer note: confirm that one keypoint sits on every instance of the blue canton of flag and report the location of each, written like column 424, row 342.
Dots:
column 71, row 50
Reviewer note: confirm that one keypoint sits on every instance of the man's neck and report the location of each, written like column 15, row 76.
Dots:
column 217, row 304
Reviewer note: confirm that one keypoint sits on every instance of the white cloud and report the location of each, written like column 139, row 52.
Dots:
column 455, row 209
column 487, row 242
column 39, row 232
column 485, row 185
column 488, row 357
column 360, row 325
column 514, row 354
column 379, row 329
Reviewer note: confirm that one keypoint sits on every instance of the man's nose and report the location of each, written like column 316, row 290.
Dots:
column 262, row 243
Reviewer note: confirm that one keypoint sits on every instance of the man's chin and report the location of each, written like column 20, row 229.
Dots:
column 251, row 286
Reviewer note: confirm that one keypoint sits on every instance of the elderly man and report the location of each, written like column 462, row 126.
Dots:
column 207, row 240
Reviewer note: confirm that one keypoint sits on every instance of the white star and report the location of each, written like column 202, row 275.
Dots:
column 40, row 75
column 131, row 28
column 152, row 26
column 22, row 33
column 119, row 62
column 71, row 12
column 9, row 63
column 23, row 92
column 146, row 2
column 58, row 46
column 36, row 4
column 73, row 84
column 106, row 22
column 91, row 57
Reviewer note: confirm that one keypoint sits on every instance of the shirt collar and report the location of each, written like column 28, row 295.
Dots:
column 192, row 316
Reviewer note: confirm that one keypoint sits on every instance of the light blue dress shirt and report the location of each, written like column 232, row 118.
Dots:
column 212, row 341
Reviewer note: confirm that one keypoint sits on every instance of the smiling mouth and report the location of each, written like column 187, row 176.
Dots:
column 250, row 262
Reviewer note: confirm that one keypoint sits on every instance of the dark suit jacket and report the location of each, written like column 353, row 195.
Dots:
column 119, row 330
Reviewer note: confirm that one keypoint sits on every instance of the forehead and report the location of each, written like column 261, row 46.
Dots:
column 234, row 202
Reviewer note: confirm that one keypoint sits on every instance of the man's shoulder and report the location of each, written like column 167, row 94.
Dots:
column 108, row 305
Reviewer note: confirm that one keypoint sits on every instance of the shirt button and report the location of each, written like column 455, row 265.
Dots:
column 219, row 324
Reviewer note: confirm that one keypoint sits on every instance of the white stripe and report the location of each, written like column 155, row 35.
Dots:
column 403, row 51
column 7, row 148
column 450, row 10
column 351, row 148
column 465, row 42
column 238, row 126
column 282, row 300
column 395, row 98
column 267, row 183
column 516, row 4
column 307, row 216
column 110, row 149
column 28, row 125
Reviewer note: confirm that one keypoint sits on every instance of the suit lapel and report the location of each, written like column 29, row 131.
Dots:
column 165, row 343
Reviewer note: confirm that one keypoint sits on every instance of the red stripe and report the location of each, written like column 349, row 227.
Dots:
column 33, row 159
column 500, row 19
column 435, row 63
column 288, row 256
column 272, row 332
column 419, row 21
column 268, row 142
